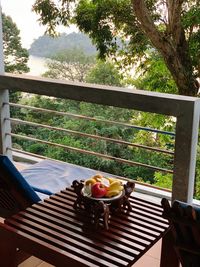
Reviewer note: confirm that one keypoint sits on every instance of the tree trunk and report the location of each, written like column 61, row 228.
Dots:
column 180, row 66
column 171, row 44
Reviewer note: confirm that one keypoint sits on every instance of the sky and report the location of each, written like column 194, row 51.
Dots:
column 26, row 20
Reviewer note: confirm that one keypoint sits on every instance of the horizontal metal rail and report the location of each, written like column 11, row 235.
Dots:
column 92, row 153
column 18, row 121
column 60, row 113
column 120, row 177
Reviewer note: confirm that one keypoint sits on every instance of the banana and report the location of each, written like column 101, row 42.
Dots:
column 114, row 184
column 112, row 193
column 111, row 180
column 90, row 181
column 97, row 177
column 118, row 187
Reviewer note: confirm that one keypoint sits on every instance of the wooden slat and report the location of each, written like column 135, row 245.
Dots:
column 147, row 211
column 152, row 224
column 132, row 231
column 146, row 216
column 55, row 222
column 77, row 233
column 51, row 253
column 86, row 224
column 61, row 242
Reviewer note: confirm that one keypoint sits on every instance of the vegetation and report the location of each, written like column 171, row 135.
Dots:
column 47, row 46
column 104, row 73
column 154, row 76
column 170, row 27
column 72, row 65
column 15, row 56
column 90, row 144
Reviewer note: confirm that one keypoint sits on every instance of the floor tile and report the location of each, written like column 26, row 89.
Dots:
column 147, row 261
column 31, row 262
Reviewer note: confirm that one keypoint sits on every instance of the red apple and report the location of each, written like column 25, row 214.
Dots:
column 98, row 190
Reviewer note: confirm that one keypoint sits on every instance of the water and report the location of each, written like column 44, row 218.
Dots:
column 37, row 65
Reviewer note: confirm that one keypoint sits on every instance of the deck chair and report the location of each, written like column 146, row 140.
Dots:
column 185, row 226
column 19, row 190
column 15, row 192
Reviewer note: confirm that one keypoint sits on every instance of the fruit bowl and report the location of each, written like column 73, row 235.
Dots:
column 105, row 199
column 102, row 188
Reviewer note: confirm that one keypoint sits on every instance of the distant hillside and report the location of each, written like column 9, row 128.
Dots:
column 46, row 46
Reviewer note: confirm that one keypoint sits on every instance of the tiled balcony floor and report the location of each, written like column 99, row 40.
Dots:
column 150, row 259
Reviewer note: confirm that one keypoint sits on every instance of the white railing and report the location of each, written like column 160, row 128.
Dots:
column 185, row 109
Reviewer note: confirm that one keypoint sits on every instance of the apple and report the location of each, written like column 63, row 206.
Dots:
column 98, row 190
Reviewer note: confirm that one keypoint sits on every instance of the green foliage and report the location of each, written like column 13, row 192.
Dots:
column 104, row 73
column 163, row 180
column 86, row 143
column 15, row 57
column 197, row 178
column 191, row 22
column 154, row 76
column 70, row 65
column 105, row 21
column 126, row 32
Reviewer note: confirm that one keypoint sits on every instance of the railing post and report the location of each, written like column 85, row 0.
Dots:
column 187, row 128
column 5, row 127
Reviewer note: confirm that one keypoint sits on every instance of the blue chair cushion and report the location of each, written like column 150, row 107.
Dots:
column 10, row 175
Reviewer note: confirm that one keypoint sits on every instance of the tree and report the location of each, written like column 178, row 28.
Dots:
column 104, row 73
column 15, row 56
column 72, row 64
column 154, row 76
column 172, row 27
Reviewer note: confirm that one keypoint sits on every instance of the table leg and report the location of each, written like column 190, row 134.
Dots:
column 168, row 254
column 7, row 252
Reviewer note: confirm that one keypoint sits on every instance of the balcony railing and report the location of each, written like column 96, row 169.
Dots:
column 185, row 109
column 64, row 131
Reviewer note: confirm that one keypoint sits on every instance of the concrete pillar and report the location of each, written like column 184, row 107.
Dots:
column 5, row 127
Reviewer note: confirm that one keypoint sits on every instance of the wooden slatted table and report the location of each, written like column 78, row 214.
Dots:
column 54, row 232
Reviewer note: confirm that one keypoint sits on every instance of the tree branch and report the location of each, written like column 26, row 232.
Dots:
column 147, row 23
column 174, row 20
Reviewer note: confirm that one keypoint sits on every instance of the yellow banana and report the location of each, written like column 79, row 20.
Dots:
column 112, row 193
column 114, row 184
column 111, row 180
column 90, row 181
column 117, row 187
